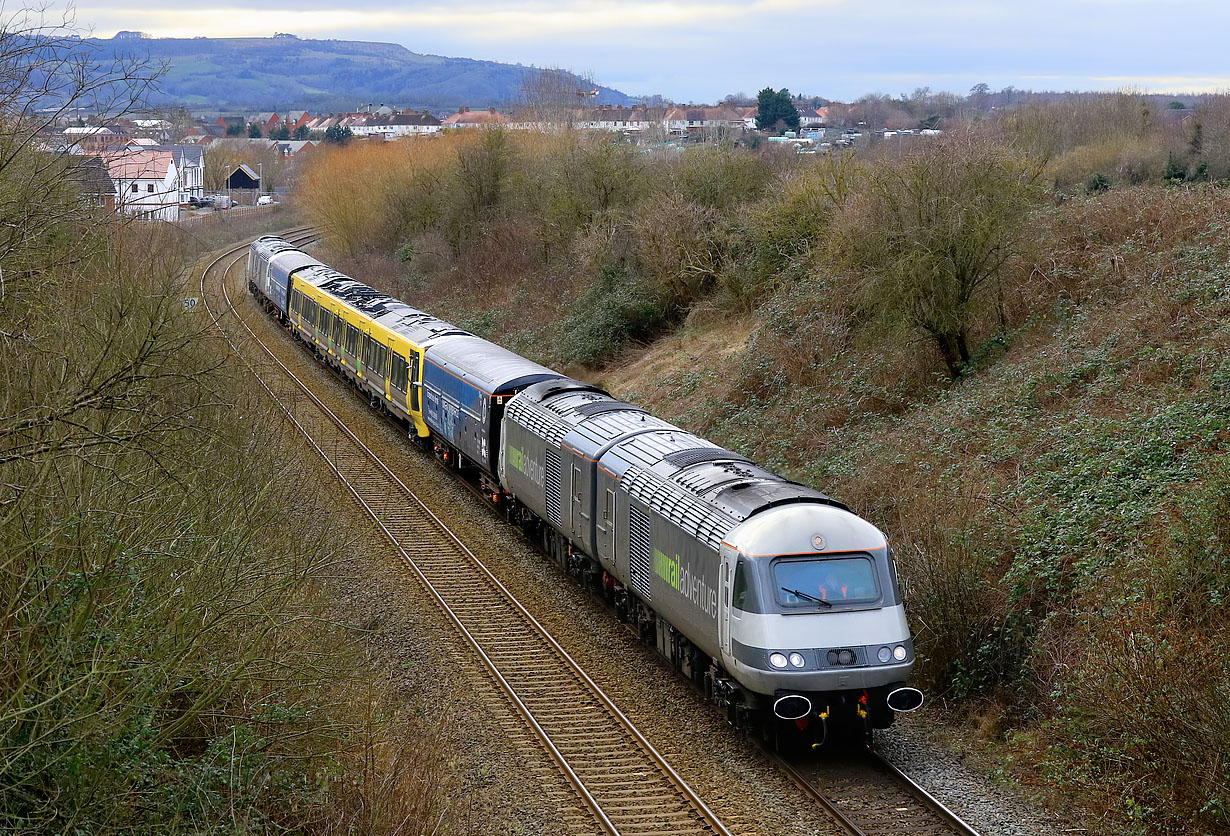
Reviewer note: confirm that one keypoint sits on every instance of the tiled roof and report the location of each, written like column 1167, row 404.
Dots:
column 138, row 164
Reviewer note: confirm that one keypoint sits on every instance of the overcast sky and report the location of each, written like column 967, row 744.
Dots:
column 692, row 50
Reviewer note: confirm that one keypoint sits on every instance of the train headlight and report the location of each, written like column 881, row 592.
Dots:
column 884, row 654
column 899, row 653
column 777, row 660
column 797, row 660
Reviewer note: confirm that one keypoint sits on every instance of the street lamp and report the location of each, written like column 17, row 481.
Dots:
column 260, row 176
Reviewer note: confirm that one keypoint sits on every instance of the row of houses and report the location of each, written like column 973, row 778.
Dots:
column 388, row 123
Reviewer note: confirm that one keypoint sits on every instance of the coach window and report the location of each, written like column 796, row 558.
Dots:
column 339, row 329
column 352, row 341
column 325, row 321
column 397, row 377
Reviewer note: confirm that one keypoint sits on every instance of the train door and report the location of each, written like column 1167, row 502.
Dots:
column 606, row 521
column 578, row 504
column 416, row 381
column 730, row 566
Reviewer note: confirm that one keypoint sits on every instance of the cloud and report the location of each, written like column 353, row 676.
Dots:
column 691, row 49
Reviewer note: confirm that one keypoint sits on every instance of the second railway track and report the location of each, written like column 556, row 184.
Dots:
column 626, row 785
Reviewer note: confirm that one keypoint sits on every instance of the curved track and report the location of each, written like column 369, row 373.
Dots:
column 622, row 781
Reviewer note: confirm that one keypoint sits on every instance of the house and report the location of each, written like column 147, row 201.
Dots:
column 243, row 177
column 203, row 133
column 615, row 118
column 292, row 148
column 94, row 183
column 466, row 118
column 190, row 163
column 817, row 118
column 267, row 122
column 90, row 139
column 146, row 182
column 296, row 118
column 239, row 122
column 698, row 120
column 410, row 123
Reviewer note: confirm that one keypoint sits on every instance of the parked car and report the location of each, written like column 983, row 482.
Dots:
column 265, row 200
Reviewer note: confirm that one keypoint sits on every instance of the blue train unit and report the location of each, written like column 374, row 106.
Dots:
column 776, row 600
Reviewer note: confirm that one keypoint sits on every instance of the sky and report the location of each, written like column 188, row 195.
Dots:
column 701, row 50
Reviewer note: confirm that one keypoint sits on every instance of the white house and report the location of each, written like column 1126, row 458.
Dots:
column 817, row 118
column 147, row 182
column 397, row 125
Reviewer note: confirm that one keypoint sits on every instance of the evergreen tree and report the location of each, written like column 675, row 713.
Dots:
column 254, row 131
column 337, row 134
column 776, row 110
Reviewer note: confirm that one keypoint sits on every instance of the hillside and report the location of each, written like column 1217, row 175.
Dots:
column 280, row 72
column 1057, row 492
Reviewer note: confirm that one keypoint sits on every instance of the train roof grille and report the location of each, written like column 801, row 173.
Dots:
column 706, row 522
column 589, row 410
column 541, row 422
column 696, row 455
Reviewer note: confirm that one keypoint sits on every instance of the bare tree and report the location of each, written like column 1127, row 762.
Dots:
column 935, row 230
column 556, row 97
column 46, row 73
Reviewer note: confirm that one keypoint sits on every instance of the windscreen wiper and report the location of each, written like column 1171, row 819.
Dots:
column 800, row 594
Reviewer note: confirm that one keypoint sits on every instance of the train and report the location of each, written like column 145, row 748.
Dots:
column 781, row 604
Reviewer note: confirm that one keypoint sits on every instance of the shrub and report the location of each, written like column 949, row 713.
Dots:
column 1098, row 182
column 719, row 177
column 934, row 231
column 620, row 309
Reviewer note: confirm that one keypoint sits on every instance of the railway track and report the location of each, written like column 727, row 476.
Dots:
column 869, row 796
column 621, row 780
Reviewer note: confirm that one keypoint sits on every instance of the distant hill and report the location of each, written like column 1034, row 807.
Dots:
column 287, row 72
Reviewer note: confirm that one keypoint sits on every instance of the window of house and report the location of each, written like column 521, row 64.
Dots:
column 149, row 187
column 135, row 187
